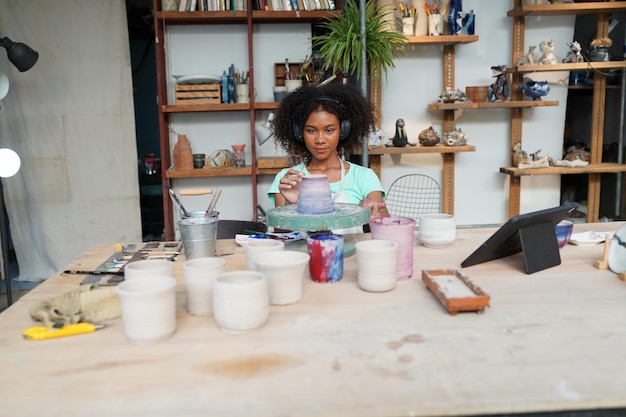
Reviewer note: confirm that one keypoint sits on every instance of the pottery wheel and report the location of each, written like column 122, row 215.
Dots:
column 344, row 216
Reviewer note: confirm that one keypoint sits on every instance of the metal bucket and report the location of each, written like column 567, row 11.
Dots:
column 199, row 235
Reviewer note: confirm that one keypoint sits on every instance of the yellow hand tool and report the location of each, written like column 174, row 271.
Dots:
column 43, row 332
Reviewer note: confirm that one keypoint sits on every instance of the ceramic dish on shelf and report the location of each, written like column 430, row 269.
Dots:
column 588, row 238
column 617, row 251
column 197, row 79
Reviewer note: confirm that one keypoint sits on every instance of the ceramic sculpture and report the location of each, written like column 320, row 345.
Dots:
column 315, row 197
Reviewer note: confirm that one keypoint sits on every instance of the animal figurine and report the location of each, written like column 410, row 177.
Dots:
column 529, row 58
column 534, row 90
column 574, row 54
column 455, row 138
column 499, row 90
column 546, row 47
column 453, row 95
column 428, row 137
column 519, row 155
column 400, row 139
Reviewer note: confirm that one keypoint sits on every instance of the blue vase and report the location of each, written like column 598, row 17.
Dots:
column 455, row 16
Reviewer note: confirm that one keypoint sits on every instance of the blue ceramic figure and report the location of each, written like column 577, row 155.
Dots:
column 468, row 23
column 534, row 90
column 455, row 16
column 499, row 90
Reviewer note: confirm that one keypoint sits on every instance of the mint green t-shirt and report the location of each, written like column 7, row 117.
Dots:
column 357, row 184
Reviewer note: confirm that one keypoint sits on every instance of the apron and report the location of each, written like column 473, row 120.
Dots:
column 341, row 197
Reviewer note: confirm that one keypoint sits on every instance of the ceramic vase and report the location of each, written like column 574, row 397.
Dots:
column 183, row 157
column 455, row 15
column 315, row 197
column 421, row 18
column 240, row 301
column 326, row 252
column 400, row 230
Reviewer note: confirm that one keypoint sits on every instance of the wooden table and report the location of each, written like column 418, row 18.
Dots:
column 553, row 340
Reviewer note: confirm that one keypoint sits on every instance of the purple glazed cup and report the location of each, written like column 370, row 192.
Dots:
column 400, row 230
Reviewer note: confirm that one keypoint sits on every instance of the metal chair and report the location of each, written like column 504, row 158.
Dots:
column 413, row 194
column 227, row 229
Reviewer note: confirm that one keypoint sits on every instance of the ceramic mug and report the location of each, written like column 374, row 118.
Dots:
column 376, row 265
column 198, row 277
column 254, row 247
column 240, row 301
column 148, row 268
column 437, row 230
column 285, row 272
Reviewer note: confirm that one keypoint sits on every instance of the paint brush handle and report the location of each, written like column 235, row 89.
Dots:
column 176, row 200
column 213, row 203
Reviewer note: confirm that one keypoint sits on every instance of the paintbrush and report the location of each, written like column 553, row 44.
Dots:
column 213, row 202
column 176, row 200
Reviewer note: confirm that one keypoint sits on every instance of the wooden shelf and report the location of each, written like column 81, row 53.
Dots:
column 181, row 18
column 441, row 40
column 190, row 108
column 603, row 168
column 266, row 105
column 392, row 150
column 579, row 66
column 210, row 172
column 300, row 16
column 493, row 105
column 568, row 9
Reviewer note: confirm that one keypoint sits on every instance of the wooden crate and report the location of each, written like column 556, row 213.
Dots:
column 198, row 94
column 294, row 69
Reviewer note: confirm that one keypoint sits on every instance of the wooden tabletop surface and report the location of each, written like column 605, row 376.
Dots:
column 552, row 340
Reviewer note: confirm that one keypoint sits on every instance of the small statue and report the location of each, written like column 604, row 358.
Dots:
column 428, row 137
column 529, row 58
column 455, row 137
column 536, row 161
column 499, row 90
column 574, row 54
column 400, row 139
column 534, row 90
column 519, row 155
column 377, row 137
column 547, row 52
column 453, row 95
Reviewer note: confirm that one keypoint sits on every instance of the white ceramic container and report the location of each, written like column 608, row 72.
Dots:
column 199, row 275
column 148, row 268
column 285, row 273
column 240, row 301
column 437, row 230
column 376, row 265
column 256, row 247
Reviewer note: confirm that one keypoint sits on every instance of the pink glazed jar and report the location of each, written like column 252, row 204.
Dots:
column 400, row 230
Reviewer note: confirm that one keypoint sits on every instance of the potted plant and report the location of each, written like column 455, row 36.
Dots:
column 341, row 47
column 600, row 49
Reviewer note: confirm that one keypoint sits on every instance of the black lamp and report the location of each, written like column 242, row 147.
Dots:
column 20, row 55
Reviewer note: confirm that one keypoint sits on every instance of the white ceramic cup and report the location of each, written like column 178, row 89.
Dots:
column 148, row 268
column 437, row 230
column 240, row 301
column 255, row 247
column 285, row 273
column 198, row 276
column 435, row 24
column 376, row 265
column 148, row 308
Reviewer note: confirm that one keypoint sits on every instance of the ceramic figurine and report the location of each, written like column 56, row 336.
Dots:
column 574, row 54
column 534, row 90
column 455, row 16
column 377, row 137
column 529, row 58
column 467, row 26
column 455, row 137
column 546, row 47
column 499, row 90
column 453, row 95
column 536, row 161
column 400, row 139
column 428, row 137
column 519, row 155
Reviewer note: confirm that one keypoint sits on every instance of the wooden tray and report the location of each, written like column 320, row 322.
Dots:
column 455, row 290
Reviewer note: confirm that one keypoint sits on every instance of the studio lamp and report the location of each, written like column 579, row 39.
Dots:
column 20, row 55
column 263, row 130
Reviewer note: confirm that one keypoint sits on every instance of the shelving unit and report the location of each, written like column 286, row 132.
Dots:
column 596, row 167
column 448, row 42
column 249, row 18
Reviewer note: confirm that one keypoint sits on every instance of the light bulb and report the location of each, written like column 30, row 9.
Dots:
column 9, row 163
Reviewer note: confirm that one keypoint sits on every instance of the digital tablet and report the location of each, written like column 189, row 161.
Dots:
column 530, row 233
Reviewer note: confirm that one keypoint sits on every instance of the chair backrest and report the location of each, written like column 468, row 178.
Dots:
column 227, row 229
column 412, row 195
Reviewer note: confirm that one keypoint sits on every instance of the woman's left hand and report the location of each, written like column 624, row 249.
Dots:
column 377, row 209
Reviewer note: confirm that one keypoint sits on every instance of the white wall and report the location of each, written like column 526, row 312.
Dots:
column 71, row 120
column 481, row 192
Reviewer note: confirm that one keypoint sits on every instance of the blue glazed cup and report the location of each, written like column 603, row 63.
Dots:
column 563, row 232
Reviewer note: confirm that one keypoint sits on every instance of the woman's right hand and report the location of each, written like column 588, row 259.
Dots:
column 289, row 186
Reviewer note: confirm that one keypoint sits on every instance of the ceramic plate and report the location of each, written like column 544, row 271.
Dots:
column 588, row 238
column 617, row 251
column 198, row 79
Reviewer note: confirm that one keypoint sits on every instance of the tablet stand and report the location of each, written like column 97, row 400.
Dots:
column 539, row 247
